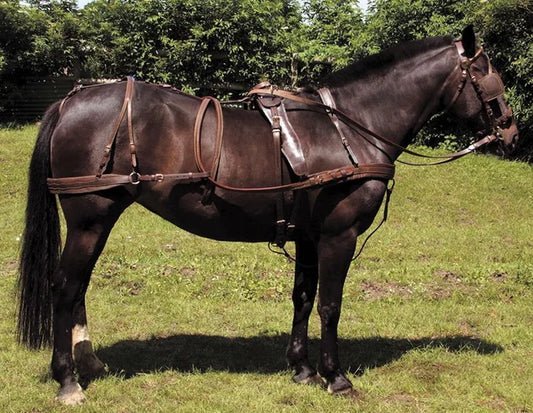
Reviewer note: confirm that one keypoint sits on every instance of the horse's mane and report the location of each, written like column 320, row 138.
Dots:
column 385, row 59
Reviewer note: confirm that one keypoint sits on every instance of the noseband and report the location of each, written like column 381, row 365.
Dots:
column 489, row 90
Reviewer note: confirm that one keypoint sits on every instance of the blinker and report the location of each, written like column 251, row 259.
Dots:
column 491, row 86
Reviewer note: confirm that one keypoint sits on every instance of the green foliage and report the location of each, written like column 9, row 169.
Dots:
column 38, row 41
column 190, row 43
column 217, row 47
column 397, row 21
column 323, row 41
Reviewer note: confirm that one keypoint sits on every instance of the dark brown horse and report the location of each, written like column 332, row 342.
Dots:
column 153, row 151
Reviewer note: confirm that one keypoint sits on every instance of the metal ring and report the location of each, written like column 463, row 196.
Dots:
column 135, row 178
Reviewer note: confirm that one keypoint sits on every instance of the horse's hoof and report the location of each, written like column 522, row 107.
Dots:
column 340, row 386
column 314, row 380
column 88, row 365
column 71, row 395
column 91, row 371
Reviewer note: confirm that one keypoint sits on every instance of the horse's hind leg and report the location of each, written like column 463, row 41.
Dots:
column 90, row 219
column 88, row 366
column 303, row 297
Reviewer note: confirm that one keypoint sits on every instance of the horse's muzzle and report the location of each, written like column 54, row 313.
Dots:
column 509, row 138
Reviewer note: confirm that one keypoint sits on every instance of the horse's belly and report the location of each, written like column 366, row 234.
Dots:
column 222, row 215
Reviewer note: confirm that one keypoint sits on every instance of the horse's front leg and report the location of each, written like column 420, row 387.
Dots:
column 303, row 297
column 335, row 253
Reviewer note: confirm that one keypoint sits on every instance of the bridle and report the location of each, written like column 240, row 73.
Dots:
column 489, row 90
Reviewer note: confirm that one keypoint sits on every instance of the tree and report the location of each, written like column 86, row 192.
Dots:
column 210, row 46
column 325, row 38
column 191, row 44
column 39, row 40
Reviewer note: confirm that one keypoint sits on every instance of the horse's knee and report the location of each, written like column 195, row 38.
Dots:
column 329, row 314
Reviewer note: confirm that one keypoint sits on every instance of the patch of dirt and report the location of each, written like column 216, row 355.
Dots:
column 430, row 372
column 499, row 276
column 448, row 276
column 11, row 266
column 402, row 398
column 167, row 271
column 496, row 403
column 187, row 272
column 446, row 283
column 132, row 287
column 374, row 290
column 438, row 292
column 356, row 396
column 170, row 247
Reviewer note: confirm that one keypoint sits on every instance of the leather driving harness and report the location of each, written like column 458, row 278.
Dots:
column 270, row 100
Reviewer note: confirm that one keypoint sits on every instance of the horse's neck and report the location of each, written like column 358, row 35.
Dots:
column 395, row 105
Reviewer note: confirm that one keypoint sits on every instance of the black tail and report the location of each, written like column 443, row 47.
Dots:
column 41, row 246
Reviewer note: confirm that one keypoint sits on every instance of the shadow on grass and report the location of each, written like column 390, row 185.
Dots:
column 264, row 354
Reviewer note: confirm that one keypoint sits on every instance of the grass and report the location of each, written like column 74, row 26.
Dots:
column 436, row 314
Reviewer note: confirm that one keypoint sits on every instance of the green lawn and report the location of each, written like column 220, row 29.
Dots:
column 437, row 312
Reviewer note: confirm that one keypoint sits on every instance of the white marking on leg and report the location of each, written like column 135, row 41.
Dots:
column 79, row 333
column 72, row 396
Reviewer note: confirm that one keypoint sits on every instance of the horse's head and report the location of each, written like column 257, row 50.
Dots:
column 479, row 96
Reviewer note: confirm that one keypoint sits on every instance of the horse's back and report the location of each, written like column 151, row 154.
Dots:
column 89, row 117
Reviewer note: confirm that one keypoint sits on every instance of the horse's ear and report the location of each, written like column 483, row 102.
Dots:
column 469, row 41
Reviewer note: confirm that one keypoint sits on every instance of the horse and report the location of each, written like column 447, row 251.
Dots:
column 103, row 148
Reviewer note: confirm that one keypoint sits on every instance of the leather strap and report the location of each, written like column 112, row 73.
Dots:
column 91, row 183
column 219, row 133
column 290, row 142
column 280, row 214
column 347, row 173
column 126, row 108
column 327, row 98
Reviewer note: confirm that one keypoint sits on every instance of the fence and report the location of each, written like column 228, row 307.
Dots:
column 27, row 102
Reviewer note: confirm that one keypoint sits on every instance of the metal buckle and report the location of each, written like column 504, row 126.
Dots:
column 276, row 123
column 498, row 133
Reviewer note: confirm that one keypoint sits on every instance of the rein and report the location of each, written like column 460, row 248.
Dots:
column 350, row 122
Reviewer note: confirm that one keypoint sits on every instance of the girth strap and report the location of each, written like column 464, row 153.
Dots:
column 281, row 237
